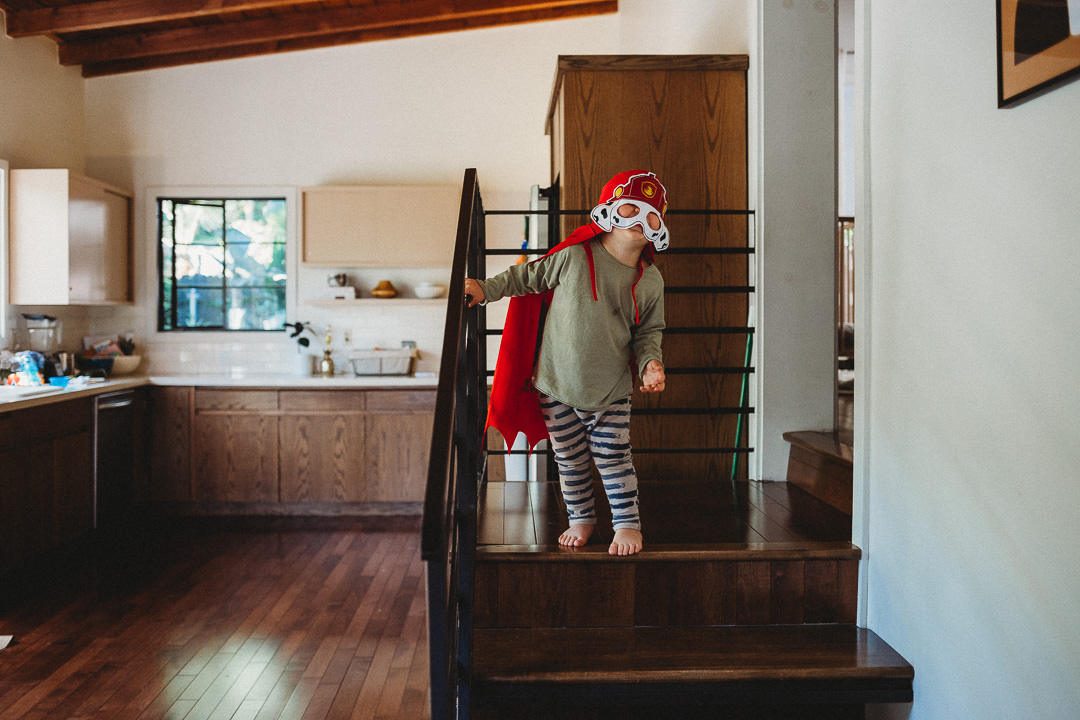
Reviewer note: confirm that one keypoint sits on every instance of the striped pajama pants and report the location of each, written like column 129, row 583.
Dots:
column 579, row 438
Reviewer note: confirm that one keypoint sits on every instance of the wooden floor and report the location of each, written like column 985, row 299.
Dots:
column 278, row 619
column 304, row 618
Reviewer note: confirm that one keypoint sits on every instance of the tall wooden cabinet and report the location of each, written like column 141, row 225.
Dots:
column 684, row 118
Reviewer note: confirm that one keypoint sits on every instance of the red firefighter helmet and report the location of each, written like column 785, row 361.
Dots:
column 636, row 197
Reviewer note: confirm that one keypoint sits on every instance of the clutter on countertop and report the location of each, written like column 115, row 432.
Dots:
column 22, row 369
column 108, row 355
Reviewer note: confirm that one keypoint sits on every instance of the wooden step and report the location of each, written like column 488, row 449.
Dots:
column 673, row 511
column 667, row 585
column 821, row 464
column 548, row 669
column 524, row 579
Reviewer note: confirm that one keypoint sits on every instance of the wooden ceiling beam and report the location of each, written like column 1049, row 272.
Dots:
column 294, row 26
column 349, row 37
column 109, row 14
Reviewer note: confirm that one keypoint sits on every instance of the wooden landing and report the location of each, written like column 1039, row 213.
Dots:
column 673, row 512
column 764, row 554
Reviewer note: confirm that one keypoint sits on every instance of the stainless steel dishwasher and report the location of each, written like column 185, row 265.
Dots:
column 114, row 459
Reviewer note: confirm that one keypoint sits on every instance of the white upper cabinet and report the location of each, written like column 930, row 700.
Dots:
column 400, row 226
column 70, row 240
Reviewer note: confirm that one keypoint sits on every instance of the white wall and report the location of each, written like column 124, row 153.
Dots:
column 416, row 110
column 968, row 459
column 41, row 125
column 796, row 282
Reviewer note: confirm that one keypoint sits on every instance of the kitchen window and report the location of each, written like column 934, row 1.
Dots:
column 222, row 263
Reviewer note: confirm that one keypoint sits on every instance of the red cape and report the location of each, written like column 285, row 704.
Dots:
column 515, row 405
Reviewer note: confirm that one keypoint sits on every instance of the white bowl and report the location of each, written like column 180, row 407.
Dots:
column 124, row 364
column 429, row 291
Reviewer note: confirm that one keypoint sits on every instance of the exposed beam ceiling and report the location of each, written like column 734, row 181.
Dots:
column 107, row 37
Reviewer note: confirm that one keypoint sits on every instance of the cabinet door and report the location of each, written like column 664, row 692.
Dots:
column 235, row 446
column 99, row 247
column 234, row 456
column 26, row 504
column 321, row 443
column 73, row 486
column 398, row 437
column 170, row 444
column 361, row 226
column 47, row 484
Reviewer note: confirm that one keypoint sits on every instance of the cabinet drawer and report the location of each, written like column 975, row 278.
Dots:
column 322, row 400
column 401, row 400
column 219, row 399
column 22, row 427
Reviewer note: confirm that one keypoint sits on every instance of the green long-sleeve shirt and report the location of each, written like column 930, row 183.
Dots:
column 587, row 345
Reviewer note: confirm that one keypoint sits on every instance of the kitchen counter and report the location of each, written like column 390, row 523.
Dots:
column 286, row 381
column 20, row 398
column 17, row 399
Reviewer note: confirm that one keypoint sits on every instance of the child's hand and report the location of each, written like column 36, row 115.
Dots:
column 654, row 378
column 474, row 293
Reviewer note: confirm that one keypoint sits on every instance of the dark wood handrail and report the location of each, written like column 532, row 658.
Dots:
column 437, row 499
column 448, row 528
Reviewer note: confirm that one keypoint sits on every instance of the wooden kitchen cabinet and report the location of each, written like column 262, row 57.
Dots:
column 70, row 240
column 291, row 451
column 321, row 446
column 402, row 226
column 169, row 443
column 234, row 441
column 398, row 432
column 47, row 487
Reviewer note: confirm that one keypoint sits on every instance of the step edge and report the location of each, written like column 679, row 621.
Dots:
column 798, row 438
column 823, row 551
column 663, row 677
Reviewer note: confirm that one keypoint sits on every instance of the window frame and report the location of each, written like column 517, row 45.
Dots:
column 151, row 294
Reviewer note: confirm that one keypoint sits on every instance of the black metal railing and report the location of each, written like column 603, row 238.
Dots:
column 448, row 541
column 458, row 460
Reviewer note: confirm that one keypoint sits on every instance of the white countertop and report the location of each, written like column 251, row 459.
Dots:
column 286, row 381
column 19, row 398
column 13, row 398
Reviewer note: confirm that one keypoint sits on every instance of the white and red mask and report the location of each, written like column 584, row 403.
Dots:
column 634, row 199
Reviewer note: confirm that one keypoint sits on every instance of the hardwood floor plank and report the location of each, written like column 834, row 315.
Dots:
column 210, row 623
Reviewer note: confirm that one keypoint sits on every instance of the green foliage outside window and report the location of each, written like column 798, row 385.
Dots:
column 222, row 263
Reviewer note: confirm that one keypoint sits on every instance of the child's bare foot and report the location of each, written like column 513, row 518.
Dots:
column 626, row 542
column 576, row 536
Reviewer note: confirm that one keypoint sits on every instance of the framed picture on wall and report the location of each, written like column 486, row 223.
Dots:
column 1038, row 47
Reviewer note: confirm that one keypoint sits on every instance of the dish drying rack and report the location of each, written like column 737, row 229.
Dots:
column 379, row 361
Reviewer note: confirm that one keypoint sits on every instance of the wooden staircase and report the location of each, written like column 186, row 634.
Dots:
column 739, row 622
column 742, row 604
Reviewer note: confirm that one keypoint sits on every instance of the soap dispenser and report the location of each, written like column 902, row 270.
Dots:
column 326, row 365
